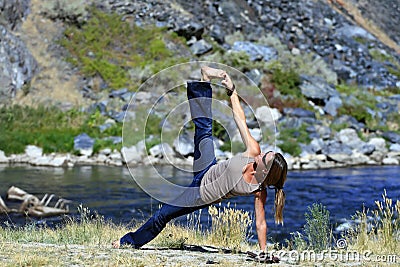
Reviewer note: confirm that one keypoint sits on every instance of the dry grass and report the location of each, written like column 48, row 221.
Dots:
column 379, row 230
column 230, row 229
column 88, row 242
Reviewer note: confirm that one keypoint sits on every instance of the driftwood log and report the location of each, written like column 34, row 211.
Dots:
column 32, row 205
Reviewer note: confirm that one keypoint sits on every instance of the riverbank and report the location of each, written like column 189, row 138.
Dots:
column 163, row 154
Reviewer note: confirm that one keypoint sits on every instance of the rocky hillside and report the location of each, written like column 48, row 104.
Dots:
column 329, row 69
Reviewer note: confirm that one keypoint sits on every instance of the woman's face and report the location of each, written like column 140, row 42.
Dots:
column 269, row 156
column 262, row 165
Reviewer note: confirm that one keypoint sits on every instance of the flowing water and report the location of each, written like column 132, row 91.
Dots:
column 112, row 192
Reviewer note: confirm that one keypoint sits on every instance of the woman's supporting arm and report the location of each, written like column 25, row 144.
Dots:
column 261, row 223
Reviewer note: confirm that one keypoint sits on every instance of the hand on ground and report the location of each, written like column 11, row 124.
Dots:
column 116, row 244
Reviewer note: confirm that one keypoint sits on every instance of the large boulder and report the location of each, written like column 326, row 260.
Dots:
column 17, row 65
column 183, row 144
column 189, row 28
column 379, row 144
column 392, row 137
column 84, row 144
column 33, row 151
column 200, row 47
column 314, row 87
column 163, row 150
column 3, row 157
column 255, row 51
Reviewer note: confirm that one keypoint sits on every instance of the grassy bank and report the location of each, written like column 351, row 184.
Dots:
column 51, row 128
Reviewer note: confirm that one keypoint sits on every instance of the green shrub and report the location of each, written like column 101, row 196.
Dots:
column 317, row 227
column 291, row 137
column 287, row 82
column 109, row 47
column 51, row 129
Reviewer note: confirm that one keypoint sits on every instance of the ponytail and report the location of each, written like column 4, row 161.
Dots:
column 276, row 178
column 279, row 205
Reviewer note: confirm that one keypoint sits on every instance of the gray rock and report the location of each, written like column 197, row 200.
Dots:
column 161, row 150
column 189, row 29
column 366, row 149
column 118, row 93
column 266, row 114
column 343, row 72
column 377, row 156
column 105, row 151
column 183, row 144
column 342, row 158
column 255, row 75
column 105, row 126
column 114, row 139
column 17, row 66
column 75, row 12
column 359, row 159
column 13, row 12
column 393, row 147
column 392, row 137
column 316, row 145
column 3, row 157
column 390, row 161
column 200, row 47
column 217, row 34
column 317, row 88
column 142, row 97
column 378, row 143
column 58, row 161
column 323, row 131
column 332, row 105
column 354, row 31
column 298, row 112
column 118, row 116
column 33, row 151
column 349, row 121
column 334, row 147
column 84, row 144
column 255, row 51
column 349, row 137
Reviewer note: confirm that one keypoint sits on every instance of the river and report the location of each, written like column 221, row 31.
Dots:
column 112, row 192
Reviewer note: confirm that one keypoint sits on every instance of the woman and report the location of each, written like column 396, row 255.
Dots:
column 250, row 172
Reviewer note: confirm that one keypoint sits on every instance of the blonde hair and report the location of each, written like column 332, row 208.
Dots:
column 277, row 177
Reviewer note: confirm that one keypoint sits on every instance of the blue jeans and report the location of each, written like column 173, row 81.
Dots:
column 200, row 99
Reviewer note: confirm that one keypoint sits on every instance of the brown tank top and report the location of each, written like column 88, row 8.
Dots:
column 225, row 180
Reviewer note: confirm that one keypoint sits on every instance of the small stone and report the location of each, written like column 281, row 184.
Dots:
column 390, row 161
column 393, row 147
column 3, row 157
column 33, row 151
column 295, row 51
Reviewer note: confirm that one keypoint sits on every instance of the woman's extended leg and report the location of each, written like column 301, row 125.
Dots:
column 199, row 95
